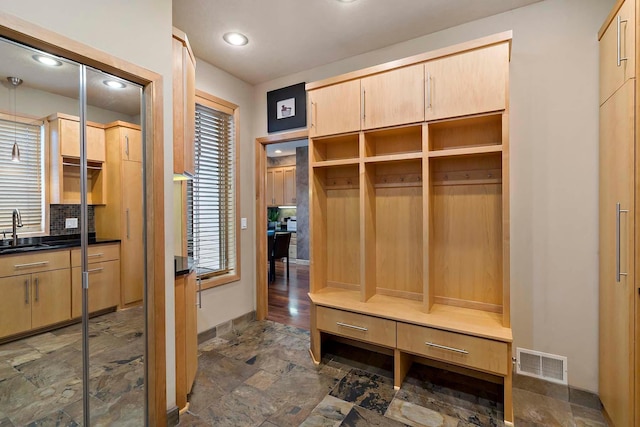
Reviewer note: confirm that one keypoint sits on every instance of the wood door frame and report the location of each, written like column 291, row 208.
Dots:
column 30, row 34
column 262, row 292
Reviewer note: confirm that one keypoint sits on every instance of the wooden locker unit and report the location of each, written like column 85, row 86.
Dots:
column 422, row 207
column 121, row 217
column 619, row 290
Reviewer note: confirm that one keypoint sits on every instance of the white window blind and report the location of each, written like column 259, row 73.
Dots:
column 21, row 183
column 211, row 235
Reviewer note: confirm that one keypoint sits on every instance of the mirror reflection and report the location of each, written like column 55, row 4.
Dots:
column 41, row 364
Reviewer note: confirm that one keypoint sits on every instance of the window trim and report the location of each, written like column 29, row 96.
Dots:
column 45, row 153
column 232, row 109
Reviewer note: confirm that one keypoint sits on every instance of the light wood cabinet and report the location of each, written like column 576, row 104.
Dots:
column 281, row 186
column 68, row 132
column 64, row 160
column 393, row 98
column 186, row 336
column 36, row 289
column 104, row 278
column 51, row 297
column 184, row 105
column 409, row 218
column 328, row 117
column 619, row 237
column 15, row 304
column 467, row 83
column 121, row 217
column 618, row 48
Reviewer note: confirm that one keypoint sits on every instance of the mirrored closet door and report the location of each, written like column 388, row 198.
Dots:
column 72, row 316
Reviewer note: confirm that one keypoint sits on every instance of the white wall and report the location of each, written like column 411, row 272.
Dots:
column 138, row 32
column 554, row 164
column 234, row 299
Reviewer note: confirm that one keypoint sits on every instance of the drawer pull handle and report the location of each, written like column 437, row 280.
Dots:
column 346, row 325
column 444, row 347
column 95, row 270
column 95, row 255
column 31, row 264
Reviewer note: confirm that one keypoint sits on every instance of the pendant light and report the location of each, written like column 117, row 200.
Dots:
column 15, row 152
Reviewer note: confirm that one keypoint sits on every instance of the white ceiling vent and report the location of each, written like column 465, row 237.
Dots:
column 546, row 366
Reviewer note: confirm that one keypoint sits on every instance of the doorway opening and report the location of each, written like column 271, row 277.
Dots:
column 282, row 225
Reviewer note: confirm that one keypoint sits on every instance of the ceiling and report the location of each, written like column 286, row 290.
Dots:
column 289, row 36
column 64, row 80
column 286, row 148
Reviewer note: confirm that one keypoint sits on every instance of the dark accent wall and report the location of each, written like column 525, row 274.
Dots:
column 58, row 214
column 302, row 202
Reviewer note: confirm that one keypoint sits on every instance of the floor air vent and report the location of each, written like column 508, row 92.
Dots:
column 546, row 366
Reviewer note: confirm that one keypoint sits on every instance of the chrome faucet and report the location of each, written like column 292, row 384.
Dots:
column 16, row 221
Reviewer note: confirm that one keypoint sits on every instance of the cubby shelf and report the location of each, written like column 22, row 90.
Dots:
column 333, row 163
column 393, row 157
column 467, row 151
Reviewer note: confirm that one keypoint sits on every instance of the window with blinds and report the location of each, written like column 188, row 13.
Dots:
column 211, row 213
column 21, row 183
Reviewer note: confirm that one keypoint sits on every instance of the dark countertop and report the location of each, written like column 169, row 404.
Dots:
column 183, row 265
column 45, row 243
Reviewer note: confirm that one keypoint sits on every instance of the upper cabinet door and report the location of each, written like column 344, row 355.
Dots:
column 131, row 144
column 393, row 98
column 335, row 109
column 617, row 51
column 69, row 134
column 467, row 83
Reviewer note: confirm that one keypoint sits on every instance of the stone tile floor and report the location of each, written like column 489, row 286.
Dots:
column 41, row 376
column 263, row 376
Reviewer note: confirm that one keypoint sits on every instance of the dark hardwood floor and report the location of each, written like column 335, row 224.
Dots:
column 288, row 299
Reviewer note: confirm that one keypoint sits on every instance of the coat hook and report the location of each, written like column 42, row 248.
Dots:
column 446, row 177
column 402, row 179
column 490, row 175
column 334, row 183
column 349, row 182
column 384, row 180
column 466, row 175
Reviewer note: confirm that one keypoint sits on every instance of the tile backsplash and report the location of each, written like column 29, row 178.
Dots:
column 59, row 213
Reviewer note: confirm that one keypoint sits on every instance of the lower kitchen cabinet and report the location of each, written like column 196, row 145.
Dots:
column 50, row 298
column 104, row 287
column 15, row 305
column 104, row 278
column 32, row 301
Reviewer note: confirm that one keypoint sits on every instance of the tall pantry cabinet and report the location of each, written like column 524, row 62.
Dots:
column 409, row 210
column 121, row 216
column 619, row 294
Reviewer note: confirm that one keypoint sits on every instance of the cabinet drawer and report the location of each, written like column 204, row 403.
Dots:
column 357, row 326
column 478, row 353
column 33, row 262
column 97, row 253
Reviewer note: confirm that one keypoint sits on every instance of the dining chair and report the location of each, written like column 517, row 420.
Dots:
column 280, row 250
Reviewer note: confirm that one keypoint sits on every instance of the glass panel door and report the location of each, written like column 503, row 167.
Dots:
column 41, row 367
column 115, row 252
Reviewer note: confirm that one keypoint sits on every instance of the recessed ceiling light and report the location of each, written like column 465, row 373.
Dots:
column 47, row 60
column 278, row 151
column 113, row 84
column 346, row 1
column 236, row 39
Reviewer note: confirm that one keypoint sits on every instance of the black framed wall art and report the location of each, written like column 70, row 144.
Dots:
column 287, row 108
